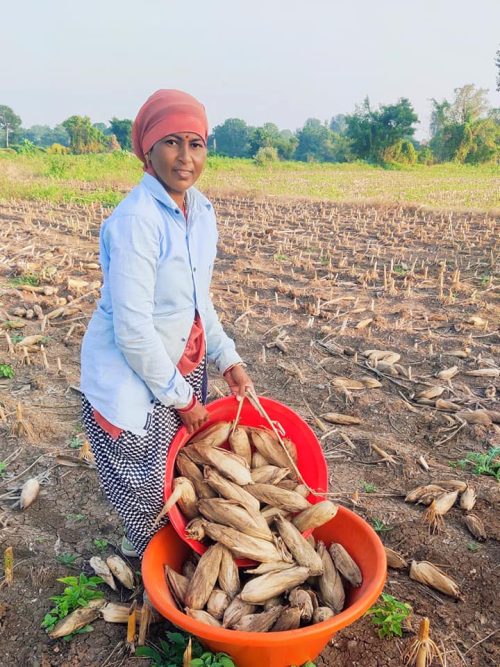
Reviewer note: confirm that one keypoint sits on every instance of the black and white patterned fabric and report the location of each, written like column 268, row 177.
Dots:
column 131, row 468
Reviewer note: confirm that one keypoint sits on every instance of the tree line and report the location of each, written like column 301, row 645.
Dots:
column 465, row 129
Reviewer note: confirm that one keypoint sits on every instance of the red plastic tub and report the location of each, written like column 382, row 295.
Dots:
column 272, row 649
column 310, row 458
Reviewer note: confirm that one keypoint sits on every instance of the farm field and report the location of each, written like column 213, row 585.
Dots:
column 306, row 287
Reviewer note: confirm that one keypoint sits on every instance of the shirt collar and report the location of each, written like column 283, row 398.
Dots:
column 156, row 189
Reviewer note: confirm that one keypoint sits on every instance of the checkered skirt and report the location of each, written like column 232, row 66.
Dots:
column 131, row 468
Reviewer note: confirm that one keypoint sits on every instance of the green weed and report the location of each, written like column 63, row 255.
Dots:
column 100, row 544
column 74, row 518
column 3, row 468
column 369, row 487
column 481, row 464
column 389, row 616
column 77, row 593
column 170, row 653
column 75, row 442
column 6, row 370
column 25, row 279
column 67, row 559
column 380, row 527
column 473, row 547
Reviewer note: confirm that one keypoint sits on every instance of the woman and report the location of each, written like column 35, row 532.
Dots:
column 145, row 351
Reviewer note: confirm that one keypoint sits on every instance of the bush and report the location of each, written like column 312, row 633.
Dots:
column 58, row 149
column 426, row 156
column 402, row 152
column 265, row 155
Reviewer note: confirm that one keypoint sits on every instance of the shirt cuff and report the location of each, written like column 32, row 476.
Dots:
column 189, row 406
column 228, row 359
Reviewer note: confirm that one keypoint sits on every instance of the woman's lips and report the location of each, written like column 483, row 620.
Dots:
column 183, row 173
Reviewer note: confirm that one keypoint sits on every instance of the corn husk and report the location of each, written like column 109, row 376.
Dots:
column 484, row 373
column 230, row 490
column 302, row 490
column 191, row 471
column 476, row 527
column 442, row 404
column 300, row 598
column 452, row 484
column 188, row 568
column 348, row 383
column 77, row 619
column 387, row 356
column 29, row 493
column 227, row 463
column 183, row 493
column 241, row 545
column 264, row 568
column 338, row 418
column 262, row 588
column 178, row 585
column 395, row 560
column 428, row 491
column 460, row 354
column 301, row 550
column 475, row 417
column 121, row 571
column 289, row 484
column 430, row 575
column 116, row 612
column 216, row 434
column 217, row 603
column 311, row 540
column 235, row 611
column 273, row 495
column 370, row 382
column 258, row 460
column 322, row 614
column 258, row 622
column 203, row 617
column 345, row 565
column 103, row 571
column 270, row 474
column 315, row 515
column 423, row 649
column 447, row 373
column 229, row 576
column 195, row 529
column 329, row 583
column 430, row 393
column 203, row 581
column 231, row 513
column 269, row 513
column 240, row 444
column 289, row 619
column 273, row 602
column 476, row 321
column 468, row 499
column 269, row 447
column 438, row 508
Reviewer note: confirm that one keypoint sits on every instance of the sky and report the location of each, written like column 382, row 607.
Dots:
column 281, row 61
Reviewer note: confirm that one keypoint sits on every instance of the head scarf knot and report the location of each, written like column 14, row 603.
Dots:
column 166, row 112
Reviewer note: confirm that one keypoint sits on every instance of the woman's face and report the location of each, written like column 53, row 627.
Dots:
column 178, row 161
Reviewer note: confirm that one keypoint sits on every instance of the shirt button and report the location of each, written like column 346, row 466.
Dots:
column 177, row 211
column 194, row 268
column 183, row 340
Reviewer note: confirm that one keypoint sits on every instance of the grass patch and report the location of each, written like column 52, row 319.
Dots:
column 481, row 464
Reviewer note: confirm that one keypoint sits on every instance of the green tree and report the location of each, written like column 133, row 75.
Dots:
column 9, row 122
column 470, row 104
column 84, row 137
column 44, row 136
column 122, row 128
column 315, row 142
column 338, row 123
column 232, row 138
column 102, row 127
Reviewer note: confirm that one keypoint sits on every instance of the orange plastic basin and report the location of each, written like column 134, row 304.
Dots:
column 272, row 649
column 310, row 457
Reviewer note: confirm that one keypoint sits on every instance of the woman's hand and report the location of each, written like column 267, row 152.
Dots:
column 194, row 418
column 238, row 380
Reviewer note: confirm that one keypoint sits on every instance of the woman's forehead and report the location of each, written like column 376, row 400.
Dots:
column 183, row 135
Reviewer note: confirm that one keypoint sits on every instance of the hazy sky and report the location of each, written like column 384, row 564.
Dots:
column 260, row 60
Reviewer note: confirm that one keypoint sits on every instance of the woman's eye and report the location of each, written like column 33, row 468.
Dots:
column 170, row 142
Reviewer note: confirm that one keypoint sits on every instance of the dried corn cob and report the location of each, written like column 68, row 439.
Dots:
column 329, row 583
column 202, row 584
column 270, row 474
column 468, row 499
column 428, row 574
column 272, row 602
column 230, row 490
column 300, row 598
column 235, row 611
column 476, row 527
column 264, row 568
column 258, row 622
column 195, row 529
column 191, row 471
column 322, row 614
column 178, row 585
column 268, row 446
column 452, row 484
column 289, row 619
column 438, row 508
column 415, row 495
column 240, row 444
column 216, row 434
column 270, row 512
column 241, row 545
column 183, row 492
column 102, row 570
column 345, row 565
column 188, row 568
column 394, row 560
column 228, row 463
column 217, row 603
column 229, row 577
column 121, row 571
column 315, row 515
column 273, row 495
column 77, row 619
column 29, row 493
column 300, row 549
column 262, row 588
column 258, row 460
column 203, row 617
column 231, row 513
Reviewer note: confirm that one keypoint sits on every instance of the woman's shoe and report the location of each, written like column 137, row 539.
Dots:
column 128, row 548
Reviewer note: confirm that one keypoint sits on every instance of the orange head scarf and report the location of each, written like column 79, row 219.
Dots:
column 166, row 112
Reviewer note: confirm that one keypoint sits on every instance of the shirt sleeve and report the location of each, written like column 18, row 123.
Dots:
column 134, row 246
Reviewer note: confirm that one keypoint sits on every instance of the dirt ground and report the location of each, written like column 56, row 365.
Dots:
column 304, row 288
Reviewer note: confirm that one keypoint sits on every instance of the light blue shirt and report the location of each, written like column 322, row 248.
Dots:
column 157, row 270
